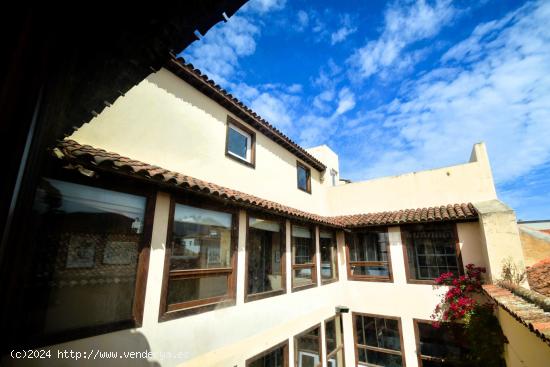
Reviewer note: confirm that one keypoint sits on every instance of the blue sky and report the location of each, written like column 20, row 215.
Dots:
column 400, row 86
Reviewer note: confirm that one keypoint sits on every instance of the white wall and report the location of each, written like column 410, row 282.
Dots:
column 463, row 183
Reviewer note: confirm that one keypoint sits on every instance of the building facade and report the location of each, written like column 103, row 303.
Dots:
column 179, row 223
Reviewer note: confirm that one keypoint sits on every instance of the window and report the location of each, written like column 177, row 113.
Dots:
column 307, row 348
column 443, row 346
column 303, row 258
column 378, row 340
column 430, row 250
column 369, row 258
column 327, row 247
column 334, row 339
column 265, row 251
column 273, row 357
column 304, row 177
column 240, row 142
column 200, row 266
column 89, row 268
column 333, row 175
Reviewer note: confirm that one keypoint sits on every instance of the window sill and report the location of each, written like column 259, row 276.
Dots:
column 421, row 281
column 329, row 281
column 240, row 160
column 176, row 314
column 303, row 287
column 258, row 296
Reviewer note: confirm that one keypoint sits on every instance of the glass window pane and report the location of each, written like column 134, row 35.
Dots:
column 330, row 335
column 86, row 252
column 383, row 359
column 264, row 256
column 201, row 239
column 431, row 250
column 370, row 270
column 272, row 359
column 307, row 348
column 302, row 277
column 447, row 341
column 368, row 246
column 237, row 143
column 303, row 178
column 377, row 332
column 191, row 289
column 327, row 244
column 303, row 245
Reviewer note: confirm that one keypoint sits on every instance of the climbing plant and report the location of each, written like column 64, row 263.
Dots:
column 463, row 303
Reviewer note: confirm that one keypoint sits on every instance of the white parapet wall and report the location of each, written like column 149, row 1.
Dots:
column 468, row 182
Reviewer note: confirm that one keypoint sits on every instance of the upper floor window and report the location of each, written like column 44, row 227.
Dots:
column 200, row 258
column 442, row 346
column 240, row 142
column 265, row 249
column 303, row 257
column 431, row 250
column 89, row 268
column 304, row 177
column 327, row 247
column 369, row 258
column 378, row 340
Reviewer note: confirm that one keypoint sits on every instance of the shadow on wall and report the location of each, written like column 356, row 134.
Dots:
column 122, row 348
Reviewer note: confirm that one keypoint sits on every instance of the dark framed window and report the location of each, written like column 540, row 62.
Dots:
column 369, row 255
column 200, row 258
column 329, row 256
column 378, row 340
column 307, row 348
column 265, row 257
column 430, row 250
column 444, row 346
column 276, row 356
column 91, row 253
column 304, row 269
column 334, row 340
column 240, row 143
column 304, row 177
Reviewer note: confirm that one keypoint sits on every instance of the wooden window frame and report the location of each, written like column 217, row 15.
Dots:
column 249, row 131
column 312, row 265
column 123, row 185
column 320, row 344
column 408, row 272
column 282, row 222
column 376, row 349
column 338, row 348
column 336, row 274
column 182, row 309
column 308, row 172
column 283, row 344
column 368, row 278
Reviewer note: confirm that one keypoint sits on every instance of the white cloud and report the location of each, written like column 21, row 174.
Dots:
column 344, row 31
column 499, row 95
column 346, row 101
column 341, row 34
column 303, row 20
column 218, row 52
column 273, row 109
column 263, row 6
column 404, row 24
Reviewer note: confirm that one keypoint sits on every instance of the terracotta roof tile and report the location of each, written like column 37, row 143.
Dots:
column 525, row 310
column 92, row 158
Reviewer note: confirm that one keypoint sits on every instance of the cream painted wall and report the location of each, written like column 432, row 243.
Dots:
column 166, row 122
column 525, row 349
column 469, row 182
